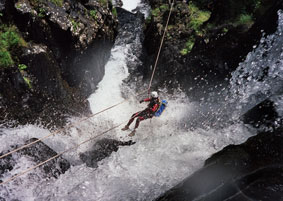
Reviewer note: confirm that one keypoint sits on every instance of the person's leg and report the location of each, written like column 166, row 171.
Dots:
column 130, row 121
column 139, row 119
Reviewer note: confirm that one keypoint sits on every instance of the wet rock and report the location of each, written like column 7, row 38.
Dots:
column 262, row 115
column 250, row 171
column 38, row 153
column 217, row 47
column 66, row 49
column 102, row 149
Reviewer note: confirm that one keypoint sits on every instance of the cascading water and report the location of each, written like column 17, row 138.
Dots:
column 260, row 76
column 165, row 151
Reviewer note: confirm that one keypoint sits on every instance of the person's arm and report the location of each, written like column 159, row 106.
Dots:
column 145, row 100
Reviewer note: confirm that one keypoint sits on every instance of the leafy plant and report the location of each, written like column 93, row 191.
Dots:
column 5, row 58
column 1, row 14
column 225, row 30
column 75, row 24
column 188, row 46
column 42, row 12
column 22, row 66
column 93, row 14
column 28, row 82
column 155, row 12
column 197, row 16
column 245, row 19
column 103, row 2
column 164, row 7
column 10, row 41
column 57, row 2
column 114, row 11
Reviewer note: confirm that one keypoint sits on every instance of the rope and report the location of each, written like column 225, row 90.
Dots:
column 83, row 119
column 56, row 156
column 69, row 126
column 152, row 75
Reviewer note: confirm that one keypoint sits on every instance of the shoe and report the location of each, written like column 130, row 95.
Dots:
column 132, row 133
column 125, row 128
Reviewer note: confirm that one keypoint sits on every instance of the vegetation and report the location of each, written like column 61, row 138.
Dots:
column 103, row 2
column 197, row 17
column 244, row 19
column 156, row 12
column 42, row 12
column 93, row 14
column 114, row 11
column 28, row 82
column 22, row 67
column 10, row 41
column 188, row 46
column 1, row 14
column 57, row 2
column 5, row 58
column 75, row 24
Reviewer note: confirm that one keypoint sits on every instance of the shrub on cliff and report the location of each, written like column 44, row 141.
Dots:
column 10, row 41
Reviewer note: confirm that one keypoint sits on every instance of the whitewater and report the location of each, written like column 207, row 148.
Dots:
column 166, row 149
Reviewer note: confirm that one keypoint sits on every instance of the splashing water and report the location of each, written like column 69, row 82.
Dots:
column 260, row 76
column 166, row 151
column 130, row 4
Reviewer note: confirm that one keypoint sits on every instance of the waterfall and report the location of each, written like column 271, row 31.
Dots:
column 166, row 150
column 260, row 76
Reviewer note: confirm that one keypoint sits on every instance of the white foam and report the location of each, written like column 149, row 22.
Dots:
column 130, row 4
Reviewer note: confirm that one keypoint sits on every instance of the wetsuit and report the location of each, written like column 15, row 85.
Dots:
column 147, row 113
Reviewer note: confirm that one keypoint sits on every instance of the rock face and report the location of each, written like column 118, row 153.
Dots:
column 205, row 41
column 262, row 115
column 102, row 149
column 250, row 171
column 38, row 153
column 66, row 45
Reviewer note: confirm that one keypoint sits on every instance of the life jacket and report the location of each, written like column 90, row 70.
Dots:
column 153, row 102
column 161, row 108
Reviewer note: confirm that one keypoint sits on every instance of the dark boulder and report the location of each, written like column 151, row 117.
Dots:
column 217, row 45
column 102, row 149
column 65, row 49
column 38, row 152
column 249, row 171
column 262, row 115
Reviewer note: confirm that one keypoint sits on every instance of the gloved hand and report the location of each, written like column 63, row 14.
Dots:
column 141, row 101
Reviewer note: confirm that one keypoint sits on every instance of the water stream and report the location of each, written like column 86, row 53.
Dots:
column 166, row 151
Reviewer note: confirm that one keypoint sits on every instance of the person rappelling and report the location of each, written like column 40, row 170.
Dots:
column 154, row 108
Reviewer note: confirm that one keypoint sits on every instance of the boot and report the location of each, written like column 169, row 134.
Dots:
column 125, row 128
column 132, row 133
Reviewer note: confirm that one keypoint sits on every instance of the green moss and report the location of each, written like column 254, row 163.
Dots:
column 5, row 58
column 75, row 24
column 170, row 27
column 114, row 11
column 42, row 12
column 103, row 2
column 244, row 19
column 164, row 7
column 197, row 16
column 188, row 46
column 225, row 30
column 10, row 42
column 93, row 14
column 28, row 82
column 22, row 67
column 57, row 2
column 156, row 12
